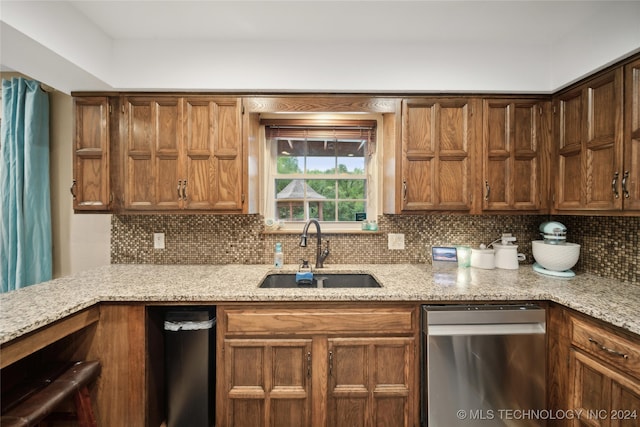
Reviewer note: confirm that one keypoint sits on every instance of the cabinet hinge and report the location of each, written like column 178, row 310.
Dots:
column 110, row 109
column 242, row 198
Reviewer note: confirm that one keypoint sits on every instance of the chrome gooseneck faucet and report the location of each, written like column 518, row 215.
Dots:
column 321, row 254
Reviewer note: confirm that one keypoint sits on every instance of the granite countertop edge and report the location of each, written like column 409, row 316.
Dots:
column 26, row 310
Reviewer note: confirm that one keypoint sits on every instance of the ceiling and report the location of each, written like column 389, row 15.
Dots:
column 410, row 21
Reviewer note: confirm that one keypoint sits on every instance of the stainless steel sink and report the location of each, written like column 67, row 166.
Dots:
column 344, row 280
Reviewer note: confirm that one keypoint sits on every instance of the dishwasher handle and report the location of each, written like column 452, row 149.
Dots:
column 487, row 329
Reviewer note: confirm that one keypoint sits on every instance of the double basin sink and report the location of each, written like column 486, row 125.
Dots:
column 320, row 280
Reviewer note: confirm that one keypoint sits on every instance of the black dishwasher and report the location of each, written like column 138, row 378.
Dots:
column 190, row 343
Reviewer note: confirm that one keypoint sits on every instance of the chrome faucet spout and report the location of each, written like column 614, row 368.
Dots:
column 320, row 254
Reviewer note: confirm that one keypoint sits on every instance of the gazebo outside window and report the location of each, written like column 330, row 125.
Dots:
column 297, row 198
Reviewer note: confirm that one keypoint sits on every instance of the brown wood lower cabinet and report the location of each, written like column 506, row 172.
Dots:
column 269, row 382
column 603, row 396
column 594, row 372
column 370, row 381
column 329, row 366
column 605, row 376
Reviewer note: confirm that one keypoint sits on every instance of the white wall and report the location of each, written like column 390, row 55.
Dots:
column 326, row 67
column 608, row 37
column 82, row 241
column 57, row 45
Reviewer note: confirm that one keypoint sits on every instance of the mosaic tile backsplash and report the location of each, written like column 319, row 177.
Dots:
column 609, row 244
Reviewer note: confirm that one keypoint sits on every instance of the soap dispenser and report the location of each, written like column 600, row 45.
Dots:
column 304, row 275
column 278, row 256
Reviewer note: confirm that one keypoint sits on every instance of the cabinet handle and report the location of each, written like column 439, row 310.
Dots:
column 179, row 185
column 73, row 188
column 331, row 363
column 404, row 190
column 488, row 188
column 184, row 190
column 614, row 185
column 608, row 350
column 309, row 364
column 625, row 190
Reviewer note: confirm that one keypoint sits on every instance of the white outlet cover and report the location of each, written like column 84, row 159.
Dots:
column 395, row 241
column 158, row 240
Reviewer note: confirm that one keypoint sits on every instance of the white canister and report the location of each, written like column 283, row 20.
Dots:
column 507, row 256
column 483, row 258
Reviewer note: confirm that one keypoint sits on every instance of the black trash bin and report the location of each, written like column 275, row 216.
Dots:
column 190, row 367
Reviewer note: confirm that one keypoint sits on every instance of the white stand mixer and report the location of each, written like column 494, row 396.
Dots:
column 554, row 255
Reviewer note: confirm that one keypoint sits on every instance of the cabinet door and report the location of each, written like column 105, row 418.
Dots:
column 436, row 154
column 603, row 142
column 601, row 395
column 268, row 382
column 152, row 171
column 371, row 382
column 569, row 123
column 632, row 137
column 91, row 185
column 511, row 141
column 589, row 126
column 213, row 153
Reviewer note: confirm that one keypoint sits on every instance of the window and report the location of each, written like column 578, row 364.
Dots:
column 320, row 170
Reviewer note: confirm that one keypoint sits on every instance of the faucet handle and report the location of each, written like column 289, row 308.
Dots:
column 325, row 252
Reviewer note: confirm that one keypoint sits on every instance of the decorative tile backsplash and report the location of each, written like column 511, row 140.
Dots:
column 609, row 244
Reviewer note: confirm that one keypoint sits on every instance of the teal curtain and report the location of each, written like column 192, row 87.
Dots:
column 25, row 242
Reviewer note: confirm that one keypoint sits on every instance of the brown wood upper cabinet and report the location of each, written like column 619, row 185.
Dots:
column 182, row 153
column 91, row 187
column 514, row 135
column 631, row 172
column 438, row 147
column 589, row 138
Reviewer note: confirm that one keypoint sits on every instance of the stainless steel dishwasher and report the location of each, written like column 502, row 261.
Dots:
column 483, row 365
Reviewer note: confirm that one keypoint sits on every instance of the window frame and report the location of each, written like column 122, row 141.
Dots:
column 372, row 174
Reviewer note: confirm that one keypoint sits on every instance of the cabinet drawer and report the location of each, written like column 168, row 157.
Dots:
column 619, row 351
column 326, row 321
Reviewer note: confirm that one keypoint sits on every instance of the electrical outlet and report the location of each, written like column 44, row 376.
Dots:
column 158, row 240
column 396, row 241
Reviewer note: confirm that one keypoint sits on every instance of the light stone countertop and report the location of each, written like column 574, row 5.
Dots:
column 28, row 309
